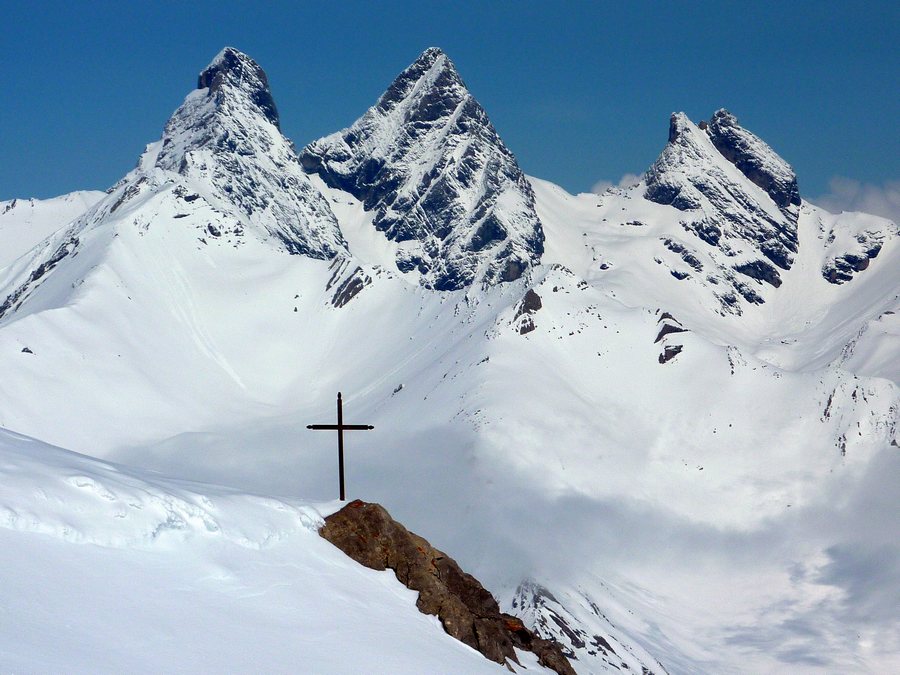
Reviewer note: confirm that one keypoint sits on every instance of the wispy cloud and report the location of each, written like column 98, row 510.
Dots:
column 847, row 194
column 625, row 181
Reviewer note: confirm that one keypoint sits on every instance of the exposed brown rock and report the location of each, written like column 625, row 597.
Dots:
column 468, row 612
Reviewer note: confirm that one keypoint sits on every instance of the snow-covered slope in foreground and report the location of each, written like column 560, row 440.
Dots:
column 119, row 571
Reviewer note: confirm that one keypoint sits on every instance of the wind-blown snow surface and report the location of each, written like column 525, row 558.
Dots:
column 108, row 569
column 687, row 487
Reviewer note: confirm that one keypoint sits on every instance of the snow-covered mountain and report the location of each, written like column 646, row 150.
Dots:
column 429, row 165
column 738, row 210
column 226, row 138
column 800, row 313
column 728, row 210
column 668, row 450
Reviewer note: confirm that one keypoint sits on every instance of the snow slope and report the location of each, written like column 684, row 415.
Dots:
column 639, row 253
column 686, row 488
column 24, row 223
column 121, row 571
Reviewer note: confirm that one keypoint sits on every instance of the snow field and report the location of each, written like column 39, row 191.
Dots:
column 121, row 571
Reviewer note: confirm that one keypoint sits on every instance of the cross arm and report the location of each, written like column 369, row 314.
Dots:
column 346, row 427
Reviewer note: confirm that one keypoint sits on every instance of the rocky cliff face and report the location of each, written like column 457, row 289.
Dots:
column 855, row 252
column 430, row 165
column 737, row 196
column 468, row 612
column 756, row 160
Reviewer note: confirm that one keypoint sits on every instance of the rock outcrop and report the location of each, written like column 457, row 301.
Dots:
column 524, row 317
column 867, row 245
column 468, row 612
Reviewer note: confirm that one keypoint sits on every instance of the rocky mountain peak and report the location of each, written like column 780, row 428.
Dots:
column 737, row 196
column 232, row 69
column 430, row 55
column 432, row 75
column 231, row 112
column 430, row 165
column 678, row 124
column 224, row 143
column 723, row 118
column 755, row 159
column 431, row 58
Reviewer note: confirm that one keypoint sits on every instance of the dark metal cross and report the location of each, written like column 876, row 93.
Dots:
column 340, row 427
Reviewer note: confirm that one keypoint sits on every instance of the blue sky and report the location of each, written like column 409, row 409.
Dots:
column 580, row 92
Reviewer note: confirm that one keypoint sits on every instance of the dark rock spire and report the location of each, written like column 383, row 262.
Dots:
column 232, row 68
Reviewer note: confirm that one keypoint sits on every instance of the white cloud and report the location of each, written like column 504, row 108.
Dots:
column 625, row 181
column 847, row 194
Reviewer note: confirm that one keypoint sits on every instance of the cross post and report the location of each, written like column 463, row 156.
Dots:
column 340, row 427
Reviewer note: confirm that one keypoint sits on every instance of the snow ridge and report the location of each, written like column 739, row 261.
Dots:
column 81, row 500
column 25, row 223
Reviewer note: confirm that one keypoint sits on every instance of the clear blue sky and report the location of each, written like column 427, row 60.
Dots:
column 579, row 91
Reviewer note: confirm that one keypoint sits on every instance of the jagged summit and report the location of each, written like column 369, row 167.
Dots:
column 432, row 70
column 753, row 158
column 225, row 139
column 430, row 55
column 221, row 175
column 430, row 165
column 732, row 222
column 738, row 196
column 746, row 151
column 678, row 122
column 233, row 68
